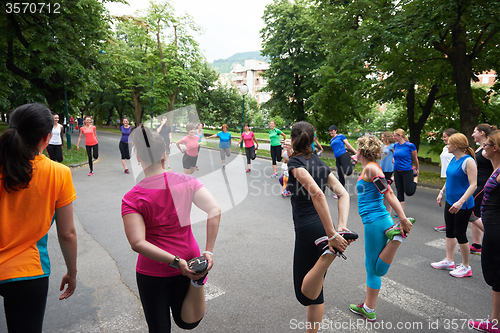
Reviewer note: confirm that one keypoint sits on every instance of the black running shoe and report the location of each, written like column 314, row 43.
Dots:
column 198, row 264
column 322, row 243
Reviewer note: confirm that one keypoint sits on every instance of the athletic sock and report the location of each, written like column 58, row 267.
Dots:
column 477, row 246
column 367, row 309
column 398, row 238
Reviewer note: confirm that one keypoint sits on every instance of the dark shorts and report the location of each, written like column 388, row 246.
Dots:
column 189, row 162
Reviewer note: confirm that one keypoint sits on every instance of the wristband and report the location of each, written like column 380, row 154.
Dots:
column 333, row 237
column 208, row 252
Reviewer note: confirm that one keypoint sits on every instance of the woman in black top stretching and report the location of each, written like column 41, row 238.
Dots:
column 316, row 240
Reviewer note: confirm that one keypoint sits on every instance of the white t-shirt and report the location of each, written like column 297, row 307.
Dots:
column 56, row 136
column 445, row 160
column 284, row 166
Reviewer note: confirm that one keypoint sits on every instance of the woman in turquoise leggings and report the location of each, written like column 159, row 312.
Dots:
column 382, row 236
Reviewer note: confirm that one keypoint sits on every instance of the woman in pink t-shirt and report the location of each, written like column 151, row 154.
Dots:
column 90, row 142
column 156, row 217
column 191, row 152
column 250, row 150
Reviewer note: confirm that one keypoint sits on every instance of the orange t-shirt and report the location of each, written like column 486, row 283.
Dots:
column 90, row 137
column 26, row 215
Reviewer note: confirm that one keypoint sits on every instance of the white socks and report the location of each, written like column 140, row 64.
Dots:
column 398, row 238
column 367, row 309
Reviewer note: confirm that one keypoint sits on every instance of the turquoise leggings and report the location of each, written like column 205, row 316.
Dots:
column 375, row 241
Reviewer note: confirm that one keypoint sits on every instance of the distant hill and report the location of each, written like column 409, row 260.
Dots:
column 225, row 65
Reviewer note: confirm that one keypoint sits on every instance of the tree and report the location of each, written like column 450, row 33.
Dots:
column 46, row 51
column 289, row 42
column 131, row 54
column 467, row 34
column 178, row 52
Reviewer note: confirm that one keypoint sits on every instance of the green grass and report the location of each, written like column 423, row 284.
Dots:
column 72, row 156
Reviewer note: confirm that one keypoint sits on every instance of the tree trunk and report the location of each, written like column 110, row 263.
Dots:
column 461, row 63
column 136, row 97
column 416, row 127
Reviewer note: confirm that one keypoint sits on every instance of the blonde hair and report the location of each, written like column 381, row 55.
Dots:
column 495, row 137
column 288, row 142
column 389, row 136
column 460, row 140
column 401, row 132
column 370, row 146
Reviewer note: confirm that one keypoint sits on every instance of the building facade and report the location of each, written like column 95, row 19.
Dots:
column 251, row 75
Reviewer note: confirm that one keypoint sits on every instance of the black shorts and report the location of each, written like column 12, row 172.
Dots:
column 167, row 149
column 124, row 150
column 189, row 162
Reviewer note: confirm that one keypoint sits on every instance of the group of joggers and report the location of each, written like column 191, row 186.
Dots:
column 171, row 272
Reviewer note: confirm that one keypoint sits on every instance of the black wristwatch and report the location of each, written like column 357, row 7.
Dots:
column 175, row 263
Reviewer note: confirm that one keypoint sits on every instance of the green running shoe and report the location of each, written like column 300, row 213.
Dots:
column 397, row 230
column 360, row 310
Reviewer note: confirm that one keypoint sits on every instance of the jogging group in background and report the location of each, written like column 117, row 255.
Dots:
column 171, row 271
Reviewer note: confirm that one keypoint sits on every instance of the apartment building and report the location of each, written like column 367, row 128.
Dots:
column 251, row 75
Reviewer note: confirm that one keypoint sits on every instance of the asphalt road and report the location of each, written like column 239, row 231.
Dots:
column 250, row 287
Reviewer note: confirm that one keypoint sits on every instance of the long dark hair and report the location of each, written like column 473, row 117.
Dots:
column 28, row 125
column 303, row 135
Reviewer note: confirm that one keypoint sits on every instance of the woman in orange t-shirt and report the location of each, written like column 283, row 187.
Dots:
column 32, row 189
column 90, row 142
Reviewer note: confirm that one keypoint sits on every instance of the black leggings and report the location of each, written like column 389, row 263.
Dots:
column 490, row 260
column 92, row 151
column 55, row 152
column 24, row 304
column 124, row 151
column 456, row 224
column 276, row 154
column 159, row 295
column 404, row 184
column 344, row 166
column 305, row 255
column 250, row 152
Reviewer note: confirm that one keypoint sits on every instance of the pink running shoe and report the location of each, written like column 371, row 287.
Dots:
column 461, row 271
column 444, row 264
column 484, row 326
column 441, row 228
column 91, row 174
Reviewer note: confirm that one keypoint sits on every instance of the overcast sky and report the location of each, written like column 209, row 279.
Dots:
column 229, row 26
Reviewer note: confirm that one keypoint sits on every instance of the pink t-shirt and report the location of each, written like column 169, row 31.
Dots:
column 90, row 138
column 164, row 201
column 248, row 139
column 191, row 145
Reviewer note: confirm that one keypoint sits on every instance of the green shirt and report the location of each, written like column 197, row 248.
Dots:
column 274, row 135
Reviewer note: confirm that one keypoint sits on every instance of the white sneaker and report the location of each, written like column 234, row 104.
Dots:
column 461, row 271
column 444, row 264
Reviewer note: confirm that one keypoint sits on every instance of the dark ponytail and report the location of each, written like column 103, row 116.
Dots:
column 28, row 125
column 150, row 146
column 303, row 135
